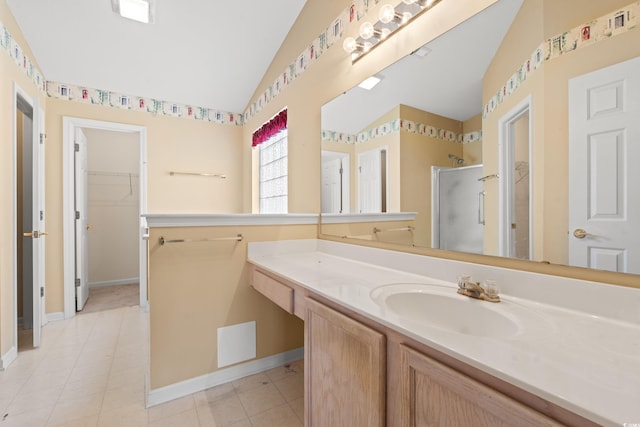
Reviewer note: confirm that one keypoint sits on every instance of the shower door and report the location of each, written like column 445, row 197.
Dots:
column 458, row 209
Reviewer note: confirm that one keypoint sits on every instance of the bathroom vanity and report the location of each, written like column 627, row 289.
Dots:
column 389, row 341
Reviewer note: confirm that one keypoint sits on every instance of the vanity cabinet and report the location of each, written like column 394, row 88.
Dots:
column 345, row 370
column 432, row 394
column 361, row 373
column 276, row 291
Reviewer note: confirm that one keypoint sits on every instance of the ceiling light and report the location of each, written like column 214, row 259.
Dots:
column 137, row 10
column 421, row 52
column 350, row 44
column 390, row 20
column 386, row 14
column 366, row 30
column 370, row 83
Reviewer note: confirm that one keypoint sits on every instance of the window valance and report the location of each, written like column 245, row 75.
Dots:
column 270, row 128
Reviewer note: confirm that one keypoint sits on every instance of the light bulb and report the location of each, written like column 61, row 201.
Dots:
column 349, row 44
column 406, row 17
column 367, row 46
column 409, row 1
column 366, row 30
column 386, row 14
column 384, row 33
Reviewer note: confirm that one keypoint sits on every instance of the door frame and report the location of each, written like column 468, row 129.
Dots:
column 505, row 152
column 69, row 125
column 38, row 116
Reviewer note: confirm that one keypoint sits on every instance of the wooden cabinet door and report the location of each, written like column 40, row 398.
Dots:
column 433, row 394
column 345, row 370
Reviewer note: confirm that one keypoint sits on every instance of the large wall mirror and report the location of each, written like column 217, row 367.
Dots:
column 504, row 139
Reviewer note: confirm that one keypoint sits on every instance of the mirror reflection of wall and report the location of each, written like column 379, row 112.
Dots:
column 457, row 89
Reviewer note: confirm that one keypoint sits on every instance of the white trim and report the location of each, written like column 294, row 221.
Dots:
column 367, row 217
column 8, row 358
column 222, row 376
column 54, row 317
column 68, row 211
column 435, row 205
column 203, row 220
column 504, row 152
column 118, row 282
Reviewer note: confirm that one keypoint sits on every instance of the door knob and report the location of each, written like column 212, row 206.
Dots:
column 579, row 233
column 35, row 234
column 89, row 226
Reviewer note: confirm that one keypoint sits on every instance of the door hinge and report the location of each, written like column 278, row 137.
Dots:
column 41, row 291
column 42, row 138
column 41, row 215
column 76, row 148
column 77, row 283
column 77, row 214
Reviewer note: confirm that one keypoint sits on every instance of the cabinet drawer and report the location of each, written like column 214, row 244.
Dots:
column 277, row 292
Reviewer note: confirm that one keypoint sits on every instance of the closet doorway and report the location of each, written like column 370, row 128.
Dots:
column 105, row 195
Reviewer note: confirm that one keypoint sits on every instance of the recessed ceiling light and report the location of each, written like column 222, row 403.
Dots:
column 370, row 82
column 137, row 10
column 421, row 52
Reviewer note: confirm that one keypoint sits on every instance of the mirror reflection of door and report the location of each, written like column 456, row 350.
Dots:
column 515, row 193
column 372, row 181
column 335, row 182
column 604, row 148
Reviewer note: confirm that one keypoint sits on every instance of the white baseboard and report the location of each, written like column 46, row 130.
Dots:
column 8, row 357
column 222, row 376
column 114, row 282
column 54, row 317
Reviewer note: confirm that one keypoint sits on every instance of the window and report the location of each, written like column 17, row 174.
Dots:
column 273, row 174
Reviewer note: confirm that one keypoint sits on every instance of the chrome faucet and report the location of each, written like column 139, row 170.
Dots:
column 473, row 289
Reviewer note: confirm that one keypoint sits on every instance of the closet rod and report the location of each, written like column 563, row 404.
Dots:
column 104, row 173
column 380, row 230
column 237, row 238
column 214, row 175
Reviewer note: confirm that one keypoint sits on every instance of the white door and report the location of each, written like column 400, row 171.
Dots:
column 332, row 186
column 82, row 226
column 369, row 182
column 37, row 221
column 604, row 152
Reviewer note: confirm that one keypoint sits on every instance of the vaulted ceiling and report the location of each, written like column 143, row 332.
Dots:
column 208, row 53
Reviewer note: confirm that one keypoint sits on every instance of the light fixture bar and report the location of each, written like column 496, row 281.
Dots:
column 390, row 20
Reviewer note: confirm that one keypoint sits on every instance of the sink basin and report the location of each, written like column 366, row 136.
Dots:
column 443, row 308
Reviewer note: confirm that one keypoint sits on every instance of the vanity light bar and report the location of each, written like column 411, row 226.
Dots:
column 390, row 20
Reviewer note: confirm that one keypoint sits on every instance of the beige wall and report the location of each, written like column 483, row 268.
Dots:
column 113, row 206
column 472, row 151
column 9, row 74
column 195, row 288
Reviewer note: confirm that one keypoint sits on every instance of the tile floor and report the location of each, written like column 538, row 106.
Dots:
column 90, row 371
column 109, row 297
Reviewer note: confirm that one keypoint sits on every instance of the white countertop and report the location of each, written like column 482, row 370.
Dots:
column 577, row 344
